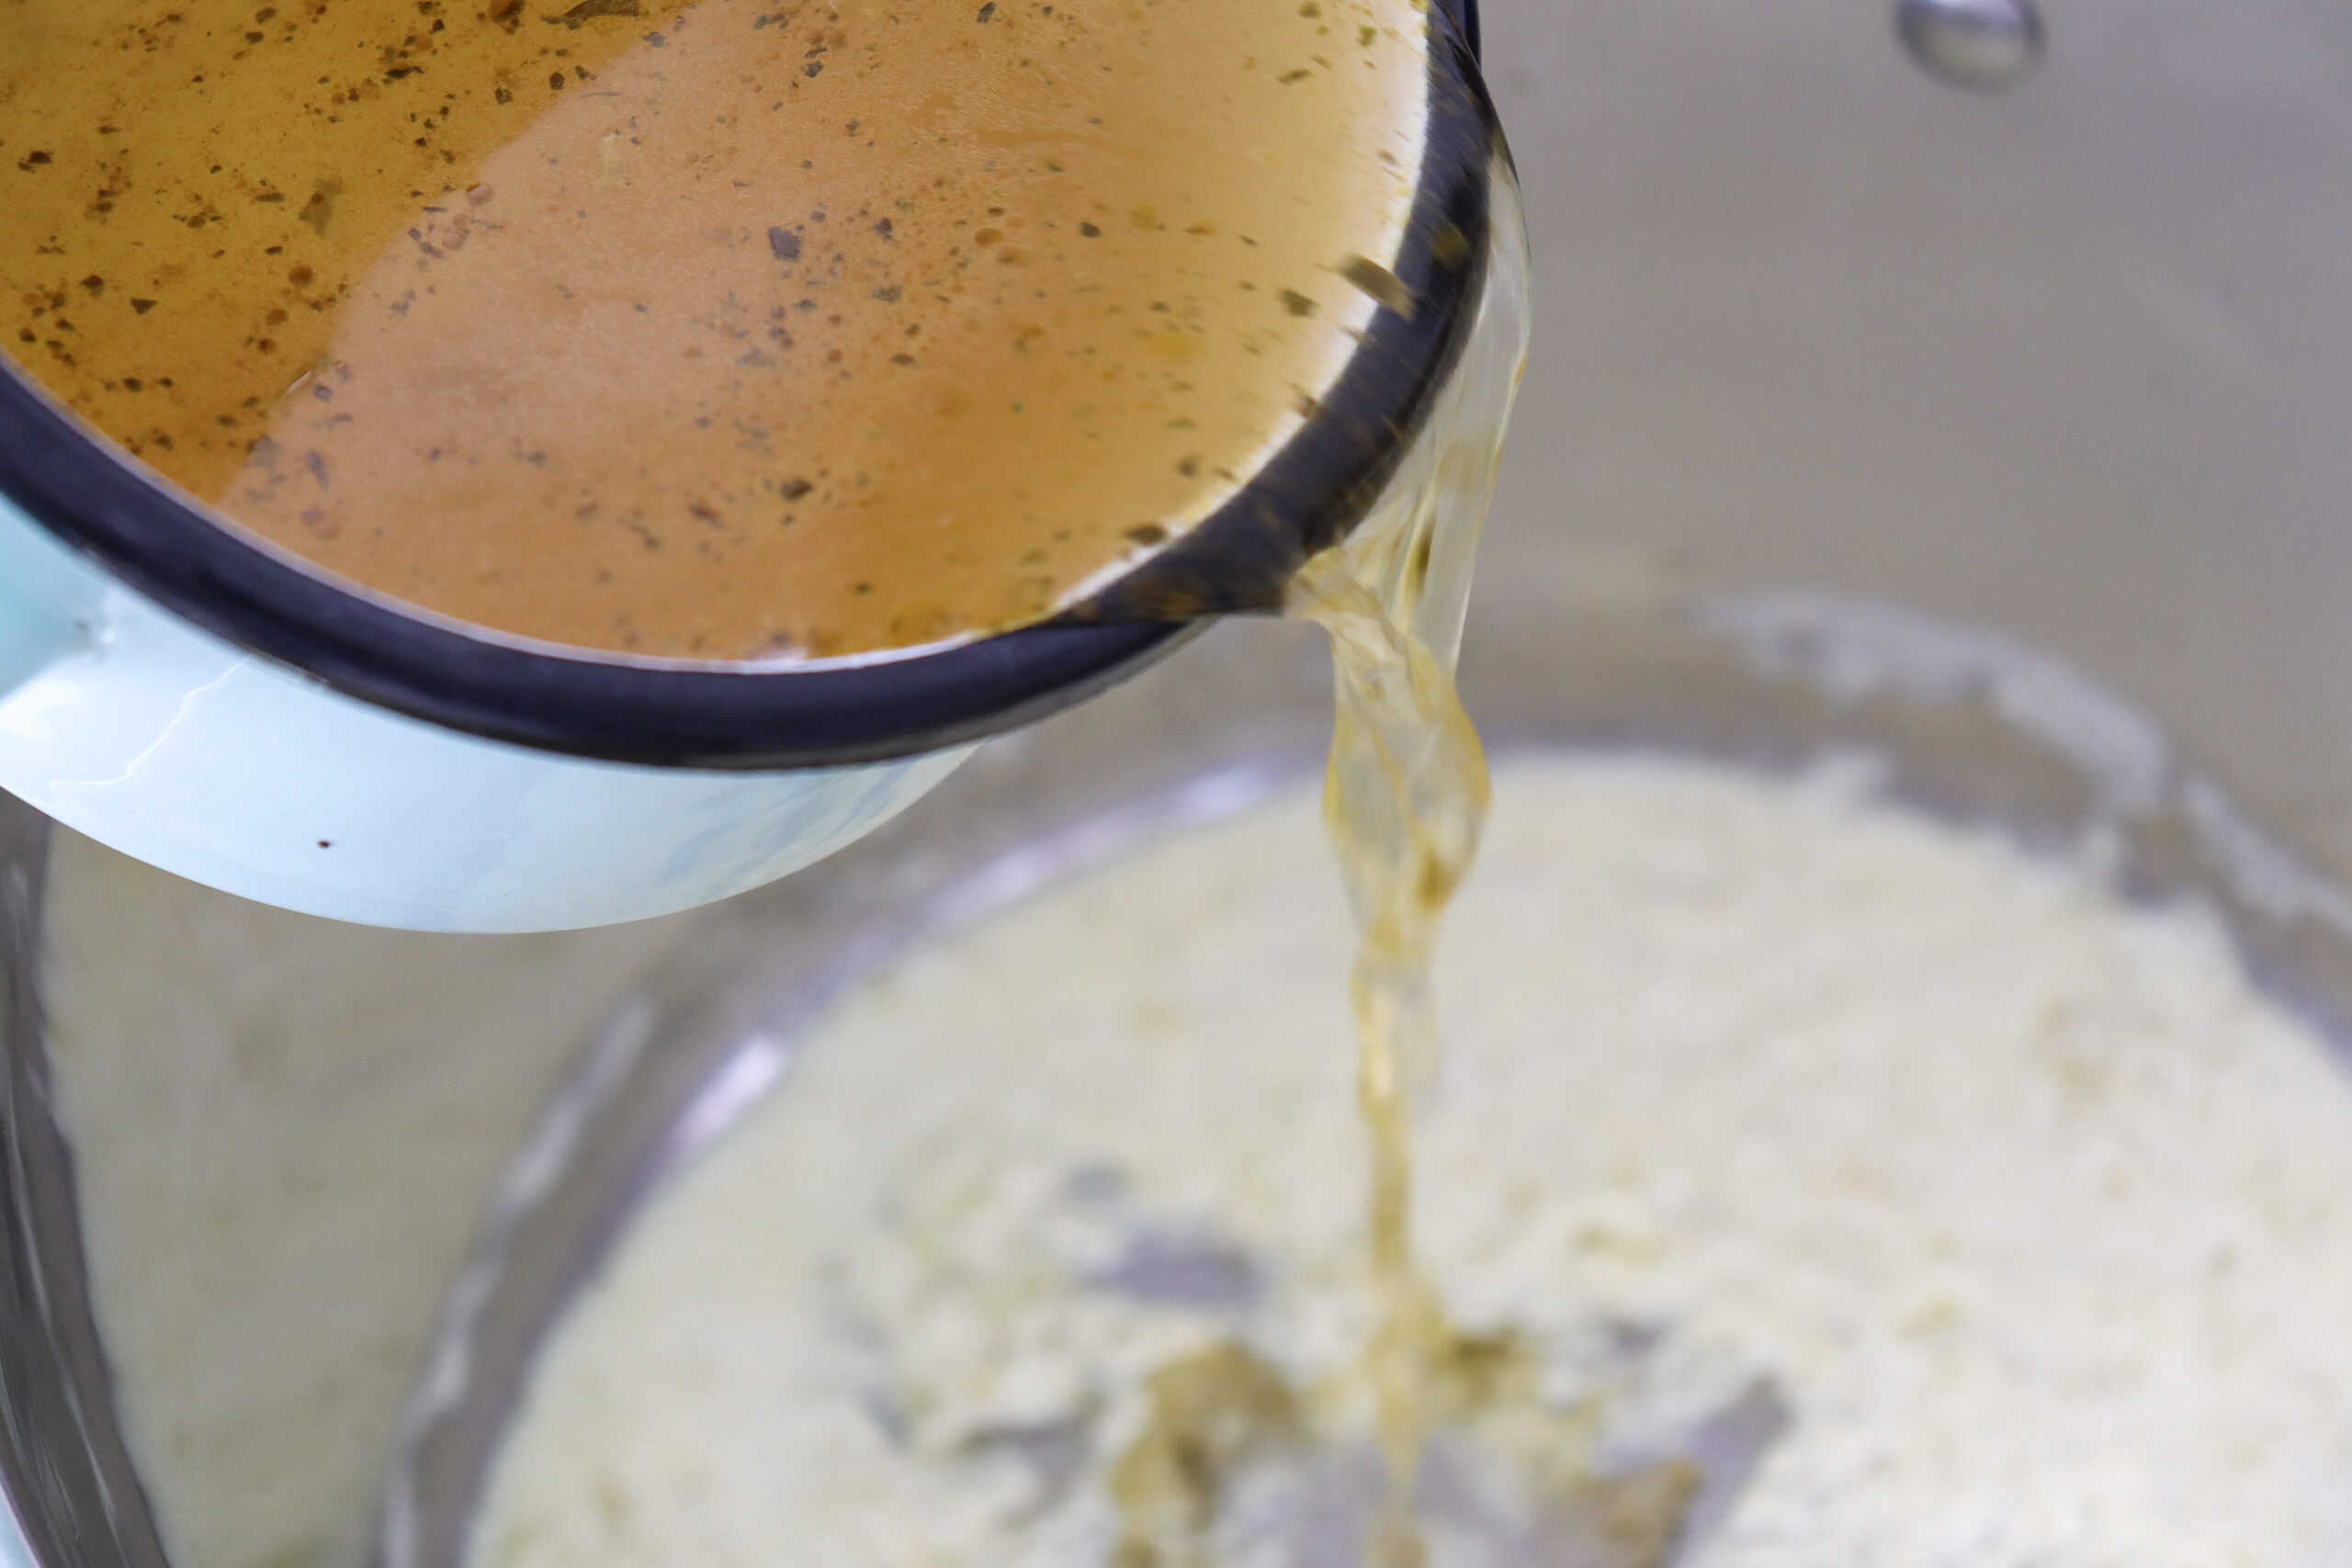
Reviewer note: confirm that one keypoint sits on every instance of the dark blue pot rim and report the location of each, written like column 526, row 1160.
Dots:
column 1313, row 492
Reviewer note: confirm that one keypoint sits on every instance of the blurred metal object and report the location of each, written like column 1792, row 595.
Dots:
column 63, row 1459
column 1982, row 45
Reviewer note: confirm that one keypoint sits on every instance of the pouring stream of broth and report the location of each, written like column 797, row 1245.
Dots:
column 1404, row 798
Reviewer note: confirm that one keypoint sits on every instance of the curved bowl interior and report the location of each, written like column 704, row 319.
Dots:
column 1971, row 726
column 2072, row 362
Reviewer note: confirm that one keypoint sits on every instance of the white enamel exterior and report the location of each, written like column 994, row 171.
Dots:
column 129, row 724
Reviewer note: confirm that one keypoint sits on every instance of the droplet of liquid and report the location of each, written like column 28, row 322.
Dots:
column 1985, row 46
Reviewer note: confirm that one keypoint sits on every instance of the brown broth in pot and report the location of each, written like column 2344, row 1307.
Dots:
column 731, row 330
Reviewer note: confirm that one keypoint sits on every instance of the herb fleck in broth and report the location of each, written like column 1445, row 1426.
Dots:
column 661, row 329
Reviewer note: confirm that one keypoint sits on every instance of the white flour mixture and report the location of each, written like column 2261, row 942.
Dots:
column 2036, row 1217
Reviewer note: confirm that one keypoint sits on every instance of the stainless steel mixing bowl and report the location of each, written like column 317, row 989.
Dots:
column 2047, row 339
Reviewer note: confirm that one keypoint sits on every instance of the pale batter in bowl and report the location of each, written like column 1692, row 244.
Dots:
column 2024, row 1207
